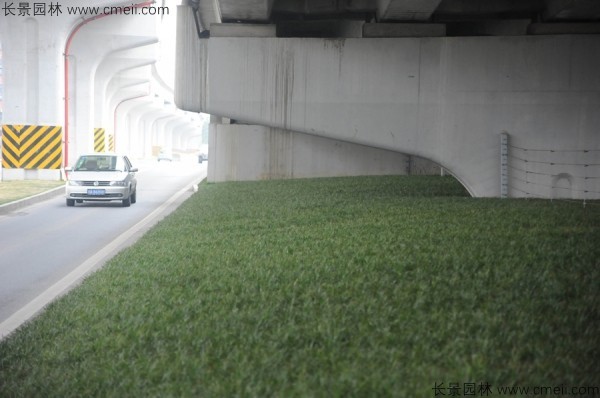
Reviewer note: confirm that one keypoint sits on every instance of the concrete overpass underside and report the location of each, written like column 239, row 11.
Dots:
column 82, row 78
column 503, row 94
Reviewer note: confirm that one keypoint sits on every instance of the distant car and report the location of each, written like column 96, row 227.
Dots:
column 165, row 155
column 101, row 177
column 202, row 157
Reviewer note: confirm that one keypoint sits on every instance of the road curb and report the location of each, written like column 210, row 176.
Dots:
column 18, row 204
column 96, row 261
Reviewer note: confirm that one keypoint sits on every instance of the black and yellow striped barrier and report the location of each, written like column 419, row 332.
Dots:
column 31, row 147
column 99, row 143
column 111, row 143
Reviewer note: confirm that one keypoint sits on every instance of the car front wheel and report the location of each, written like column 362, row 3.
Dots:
column 133, row 197
column 70, row 202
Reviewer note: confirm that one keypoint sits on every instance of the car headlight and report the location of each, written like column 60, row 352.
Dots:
column 118, row 183
column 73, row 182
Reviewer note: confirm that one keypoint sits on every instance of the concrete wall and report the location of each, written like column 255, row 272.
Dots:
column 446, row 99
column 249, row 152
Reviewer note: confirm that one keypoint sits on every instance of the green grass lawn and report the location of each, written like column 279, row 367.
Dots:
column 15, row 190
column 367, row 287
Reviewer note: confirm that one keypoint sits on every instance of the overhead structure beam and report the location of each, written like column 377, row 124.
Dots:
column 246, row 10
column 572, row 10
column 406, row 10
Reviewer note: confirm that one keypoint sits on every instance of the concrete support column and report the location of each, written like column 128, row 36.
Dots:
column 136, row 128
column 163, row 139
column 33, row 80
column 173, row 133
column 157, row 129
column 119, row 109
column 81, row 104
column 248, row 152
column 211, row 169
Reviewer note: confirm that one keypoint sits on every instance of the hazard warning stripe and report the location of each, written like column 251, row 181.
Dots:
column 52, row 158
column 43, row 148
column 11, row 142
column 111, row 143
column 30, row 137
column 36, row 144
column 99, row 145
column 31, row 147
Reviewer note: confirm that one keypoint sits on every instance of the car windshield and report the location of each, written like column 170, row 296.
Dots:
column 99, row 163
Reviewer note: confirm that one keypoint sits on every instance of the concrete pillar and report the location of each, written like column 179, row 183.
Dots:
column 173, row 133
column 124, row 122
column 241, row 152
column 32, row 60
column 81, row 103
column 136, row 131
column 119, row 106
column 163, row 131
column 114, row 74
column 33, row 79
column 158, row 129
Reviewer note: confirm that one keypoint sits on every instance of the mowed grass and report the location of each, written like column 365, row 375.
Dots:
column 19, row 189
column 364, row 287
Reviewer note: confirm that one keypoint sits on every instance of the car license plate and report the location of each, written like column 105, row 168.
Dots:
column 95, row 192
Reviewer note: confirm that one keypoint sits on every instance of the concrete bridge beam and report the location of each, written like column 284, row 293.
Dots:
column 173, row 132
column 114, row 96
column 126, row 120
column 580, row 10
column 58, row 69
column 89, row 48
column 250, row 10
column 154, row 130
column 446, row 99
column 160, row 129
column 147, row 124
column 136, row 127
column 113, row 74
column 406, row 10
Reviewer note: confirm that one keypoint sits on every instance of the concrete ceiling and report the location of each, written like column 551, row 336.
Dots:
column 408, row 10
column 246, row 10
column 295, row 16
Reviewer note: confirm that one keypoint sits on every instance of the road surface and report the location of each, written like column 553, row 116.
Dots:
column 41, row 245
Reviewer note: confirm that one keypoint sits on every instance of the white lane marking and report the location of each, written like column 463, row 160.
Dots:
column 66, row 283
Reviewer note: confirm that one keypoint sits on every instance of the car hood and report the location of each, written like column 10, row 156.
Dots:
column 97, row 175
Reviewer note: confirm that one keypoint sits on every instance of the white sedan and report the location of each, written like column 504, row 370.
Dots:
column 101, row 177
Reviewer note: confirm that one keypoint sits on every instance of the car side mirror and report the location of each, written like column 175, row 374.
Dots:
column 68, row 168
column 133, row 170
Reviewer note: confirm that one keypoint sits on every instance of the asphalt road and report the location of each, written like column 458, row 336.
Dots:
column 41, row 245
